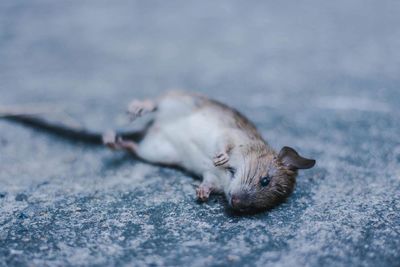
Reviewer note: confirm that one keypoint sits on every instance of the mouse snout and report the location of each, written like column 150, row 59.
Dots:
column 239, row 201
column 235, row 201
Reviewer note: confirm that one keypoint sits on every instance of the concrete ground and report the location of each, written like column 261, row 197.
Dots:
column 320, row 76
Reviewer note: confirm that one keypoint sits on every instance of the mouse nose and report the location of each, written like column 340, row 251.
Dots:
column 235, row 201
column 238, row 201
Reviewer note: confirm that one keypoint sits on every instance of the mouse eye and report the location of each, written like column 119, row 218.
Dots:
column 231, row 170
column 265, row 181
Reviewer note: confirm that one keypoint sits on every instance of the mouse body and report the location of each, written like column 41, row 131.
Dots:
column 217, row 143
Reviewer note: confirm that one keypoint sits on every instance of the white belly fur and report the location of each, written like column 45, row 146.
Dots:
column 195, row 140
column 184, row 136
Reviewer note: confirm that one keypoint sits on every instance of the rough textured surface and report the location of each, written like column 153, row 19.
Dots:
column 319, row 76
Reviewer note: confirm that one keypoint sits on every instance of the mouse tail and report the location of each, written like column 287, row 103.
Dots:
column 65, row 128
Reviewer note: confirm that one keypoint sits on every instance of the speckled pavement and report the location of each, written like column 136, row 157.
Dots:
column 320, row 76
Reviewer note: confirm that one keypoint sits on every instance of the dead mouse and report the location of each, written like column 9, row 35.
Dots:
column 212, row 141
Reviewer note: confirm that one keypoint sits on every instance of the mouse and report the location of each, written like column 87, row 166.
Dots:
column 206, row 138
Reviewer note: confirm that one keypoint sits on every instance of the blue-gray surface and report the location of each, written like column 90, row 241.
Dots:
column 321, row 76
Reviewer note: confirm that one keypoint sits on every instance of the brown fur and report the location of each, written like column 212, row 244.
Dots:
column 281, row 185
column 259, row 160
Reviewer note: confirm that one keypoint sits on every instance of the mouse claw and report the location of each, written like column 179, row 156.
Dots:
column 203, row 192
column 221, row 159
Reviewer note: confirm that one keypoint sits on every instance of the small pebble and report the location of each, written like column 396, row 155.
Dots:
column 233, row 258
column 21, row 197
column 22, row 216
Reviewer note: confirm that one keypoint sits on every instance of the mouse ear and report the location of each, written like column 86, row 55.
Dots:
column 289, row 157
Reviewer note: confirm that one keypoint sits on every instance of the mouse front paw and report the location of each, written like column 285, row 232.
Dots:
column 221, row 159
column 203, row 192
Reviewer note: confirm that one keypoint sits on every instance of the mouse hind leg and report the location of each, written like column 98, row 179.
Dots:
column 115, row 142
column 154, row 147
column 138, row 108
column 171, row 105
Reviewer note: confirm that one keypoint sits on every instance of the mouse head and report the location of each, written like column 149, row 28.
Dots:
column 264, row 181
